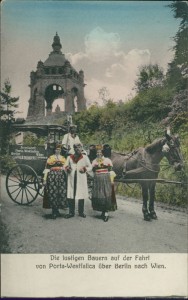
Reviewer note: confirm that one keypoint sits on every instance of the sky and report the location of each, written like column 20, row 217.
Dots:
column 108, row 40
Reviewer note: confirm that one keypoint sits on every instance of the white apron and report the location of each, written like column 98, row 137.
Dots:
column 81, row 183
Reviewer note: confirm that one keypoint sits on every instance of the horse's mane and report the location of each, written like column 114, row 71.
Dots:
column 121, row 153
column 127, row 154
column 157, row 143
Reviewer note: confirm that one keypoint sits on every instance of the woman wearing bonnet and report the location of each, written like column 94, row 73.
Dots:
column 103, row 195
column 55, row 181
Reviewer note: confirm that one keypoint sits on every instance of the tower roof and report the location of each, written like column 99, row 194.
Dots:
column 56, row 43
column 56, row 57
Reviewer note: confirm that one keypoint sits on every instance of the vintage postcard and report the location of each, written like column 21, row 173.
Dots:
column 93, row 154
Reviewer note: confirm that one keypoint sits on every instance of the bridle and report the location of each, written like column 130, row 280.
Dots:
column 171, row 151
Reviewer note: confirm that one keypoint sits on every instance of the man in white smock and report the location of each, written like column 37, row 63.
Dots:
column 77, row 165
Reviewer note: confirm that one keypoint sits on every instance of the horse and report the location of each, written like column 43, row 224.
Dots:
column 144, row 163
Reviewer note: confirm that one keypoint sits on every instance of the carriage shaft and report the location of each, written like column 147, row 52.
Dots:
column 147, row 180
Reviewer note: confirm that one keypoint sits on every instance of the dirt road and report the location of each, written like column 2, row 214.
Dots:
column 26, row 229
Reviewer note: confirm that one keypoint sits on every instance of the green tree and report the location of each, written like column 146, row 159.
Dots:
column 149, row 76
column 152, row 105
column 7, row 113
column 104, row 94
column 109, row 114
column 178, row 68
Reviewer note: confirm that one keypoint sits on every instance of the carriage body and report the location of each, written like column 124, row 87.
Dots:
column 24, row 180
column 33, row 156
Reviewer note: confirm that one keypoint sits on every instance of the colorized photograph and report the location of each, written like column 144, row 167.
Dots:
column 94, row 140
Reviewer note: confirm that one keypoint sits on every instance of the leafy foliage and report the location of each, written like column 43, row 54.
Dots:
column 6, row 163
column 148, row 77
column 178, row 68
column 7, row 113
column 31, row 139
column 151, row 105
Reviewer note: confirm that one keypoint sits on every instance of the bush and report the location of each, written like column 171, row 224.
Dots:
column 6, row 163
column 152, row 105
column 31, row 140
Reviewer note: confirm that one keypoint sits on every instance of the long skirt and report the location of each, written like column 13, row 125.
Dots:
column 103, row 195
column 55, row 193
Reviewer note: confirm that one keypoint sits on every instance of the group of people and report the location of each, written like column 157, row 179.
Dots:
column 65, row 179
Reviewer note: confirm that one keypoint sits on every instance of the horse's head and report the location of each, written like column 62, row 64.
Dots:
column 171, row 149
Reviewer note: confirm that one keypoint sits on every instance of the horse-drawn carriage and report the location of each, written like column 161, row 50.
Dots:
column 24, row 180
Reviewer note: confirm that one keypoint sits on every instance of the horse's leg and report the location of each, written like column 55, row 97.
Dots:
column 145, row 201
column 152, row 200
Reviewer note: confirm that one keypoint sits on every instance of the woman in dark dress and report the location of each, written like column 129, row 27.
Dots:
column 103, row 195
column 55, row 194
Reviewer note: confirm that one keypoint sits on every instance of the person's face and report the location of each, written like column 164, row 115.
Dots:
column 73, row 130
column 99, row 153
column 78, row 149
column 57, row 151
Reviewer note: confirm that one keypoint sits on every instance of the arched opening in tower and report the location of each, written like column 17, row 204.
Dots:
column 58, row 105
column 55, row 102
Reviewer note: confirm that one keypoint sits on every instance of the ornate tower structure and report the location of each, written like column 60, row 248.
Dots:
column 53, row 79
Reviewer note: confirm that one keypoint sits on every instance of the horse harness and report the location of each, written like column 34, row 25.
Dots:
column 142, row 162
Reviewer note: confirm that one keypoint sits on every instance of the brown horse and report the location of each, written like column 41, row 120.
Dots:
column 144, row 163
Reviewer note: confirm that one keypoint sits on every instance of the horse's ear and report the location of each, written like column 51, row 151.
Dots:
column 168, row 134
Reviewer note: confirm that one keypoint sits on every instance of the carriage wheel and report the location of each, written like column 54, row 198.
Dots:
column 22, row 184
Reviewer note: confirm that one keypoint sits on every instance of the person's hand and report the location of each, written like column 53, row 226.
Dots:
column 69, row 170
column 82, row 170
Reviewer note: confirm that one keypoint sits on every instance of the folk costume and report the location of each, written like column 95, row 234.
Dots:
column 55, row 192
column 103, row 195
column 76, row 166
